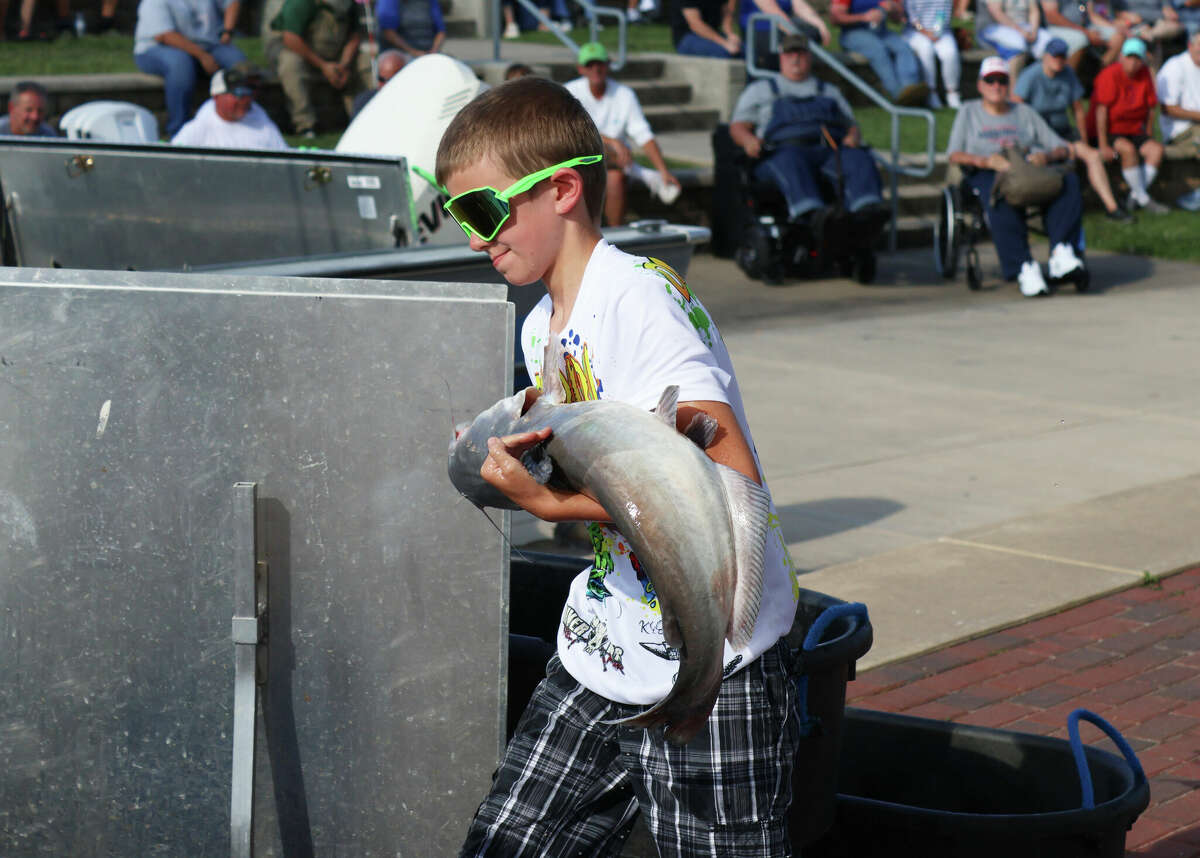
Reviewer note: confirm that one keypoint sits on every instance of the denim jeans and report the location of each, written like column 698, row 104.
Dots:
column 794, row 170
column 890, row 57
column 180, row 72
column 698, row 46
column 1009, row 232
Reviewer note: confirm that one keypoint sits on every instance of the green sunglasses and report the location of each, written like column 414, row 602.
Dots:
column 483, row 211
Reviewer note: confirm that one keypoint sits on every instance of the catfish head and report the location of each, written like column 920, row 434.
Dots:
column 469, row 449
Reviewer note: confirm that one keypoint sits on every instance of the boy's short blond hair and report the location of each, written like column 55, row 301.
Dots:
column 525, row 125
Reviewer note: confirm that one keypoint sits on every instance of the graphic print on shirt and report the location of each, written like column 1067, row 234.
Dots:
column 593, row 634
column 677, row 288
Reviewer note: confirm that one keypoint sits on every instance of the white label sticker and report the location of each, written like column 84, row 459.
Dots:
column 364, row 183
column 366, row 208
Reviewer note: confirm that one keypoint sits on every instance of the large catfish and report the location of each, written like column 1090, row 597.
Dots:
column 698, row 528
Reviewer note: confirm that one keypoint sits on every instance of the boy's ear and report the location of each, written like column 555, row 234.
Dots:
column 568, row 190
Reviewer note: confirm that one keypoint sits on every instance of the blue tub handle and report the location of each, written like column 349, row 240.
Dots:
column 810, row 725
column 833, row 612
column 1081, row 765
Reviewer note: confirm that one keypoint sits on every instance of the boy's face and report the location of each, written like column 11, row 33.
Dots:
column 524, row 248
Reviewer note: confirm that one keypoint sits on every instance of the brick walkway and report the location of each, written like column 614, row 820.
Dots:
column 1133, row 658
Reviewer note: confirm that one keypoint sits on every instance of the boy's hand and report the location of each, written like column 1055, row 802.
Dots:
column 503, row 469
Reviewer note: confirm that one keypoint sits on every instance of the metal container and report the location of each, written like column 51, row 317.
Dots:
column 122, row 206
column 371, row 596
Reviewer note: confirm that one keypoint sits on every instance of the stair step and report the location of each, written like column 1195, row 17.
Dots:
column 635, row 70
column 655, row 93
column 680, row 117
column 461, row 28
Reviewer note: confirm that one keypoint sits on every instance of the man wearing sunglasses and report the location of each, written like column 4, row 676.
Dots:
column 231, row 119
column 982, row 129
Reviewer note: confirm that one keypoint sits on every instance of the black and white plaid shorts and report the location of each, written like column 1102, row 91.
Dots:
column 571, row 785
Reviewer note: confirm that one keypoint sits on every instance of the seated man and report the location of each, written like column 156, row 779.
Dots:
column 1119, row 123
column 1012, row 28
column 387, row 64
column 781, row 122
column 176, row 39
column 1067, row 20
column 615, row 109
column 1153, row 22
column 319, row 39
column 27, row 112
column 1051, row 88
column 981, row 131
column 1179, row 95
column 704, row 28
column 803, row 17
column 865, row 31
column 230, row 119
column 415, row 27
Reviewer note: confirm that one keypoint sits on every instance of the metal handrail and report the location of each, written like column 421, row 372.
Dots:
column 590, row 10
column 893, row 166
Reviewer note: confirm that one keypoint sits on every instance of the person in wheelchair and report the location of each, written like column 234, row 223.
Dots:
column 797, row 130
column 982, row 130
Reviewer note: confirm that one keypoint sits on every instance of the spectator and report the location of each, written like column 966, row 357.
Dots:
column 319, row 40
column 1052, row 89
column 230, row 119
column 1153, row 22
column 780, row 121
column 798, row 13
column 981, row 131
column 1012, row 28
column 27, row 112
column 1119, row 123
column 108, row 17
column 929, row 35
column 1067, row 20
column 865, row 31
column 1179, row 95
column 615, row 109
column 62, row 20
column 517, row 70
column 386, row 65
column 1114, row 30
column 704, row 28
column 636, row 10
column 1189, row 15
column 176, row 39
column 413, row 26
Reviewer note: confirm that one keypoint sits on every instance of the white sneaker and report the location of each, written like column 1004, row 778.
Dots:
column 633, row 16
column 1031, row 281
column 665, row 191
column 647, row 5
column 512, row 31
column 953, row 99
column 1063, row 261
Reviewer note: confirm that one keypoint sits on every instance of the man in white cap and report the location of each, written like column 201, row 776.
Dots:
column 982, row 129
column 1120, row 123
column 231, row 119
column 615, row 109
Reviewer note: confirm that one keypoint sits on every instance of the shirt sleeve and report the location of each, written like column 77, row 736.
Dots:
column 294, row 16
column 387, row 13
column 748, row 103
column 1104, row 90
column 187, row 135
column 1044, row 137
column 958, row 133
column 435, row 14
column 636, row 126
column 1025, row 83
column 154, row 19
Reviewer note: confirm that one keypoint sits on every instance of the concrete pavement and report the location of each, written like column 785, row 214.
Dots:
column 963, row 462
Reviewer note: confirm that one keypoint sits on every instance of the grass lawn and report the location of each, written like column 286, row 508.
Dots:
column 107, row 53
column 1168, row 236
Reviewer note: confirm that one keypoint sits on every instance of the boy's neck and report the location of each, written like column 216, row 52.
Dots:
column 565, row 276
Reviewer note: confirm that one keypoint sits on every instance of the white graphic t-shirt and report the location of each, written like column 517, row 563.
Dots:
column 635, row 329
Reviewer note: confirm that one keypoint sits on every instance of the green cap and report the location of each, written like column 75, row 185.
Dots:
column 592, row 52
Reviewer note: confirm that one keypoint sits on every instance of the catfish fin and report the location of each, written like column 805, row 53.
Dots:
column 538, row 463
column 552, row 384
column 667, row 405
column 749, row 510
column 702, row 430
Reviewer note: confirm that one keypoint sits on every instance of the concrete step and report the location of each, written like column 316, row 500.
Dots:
column 679, row 117
column 461, row 28
column 635, row 69
column 655, row 93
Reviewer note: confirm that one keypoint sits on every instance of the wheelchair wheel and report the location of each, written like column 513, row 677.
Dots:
column 947, row 233
column 864, row 266
column 754, row 254
column 974, row 271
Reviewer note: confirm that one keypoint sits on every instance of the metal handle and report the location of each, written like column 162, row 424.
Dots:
column 250, row 650
column 316, row 176
column 79, row 165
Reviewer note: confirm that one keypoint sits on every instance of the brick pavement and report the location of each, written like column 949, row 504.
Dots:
column 1133, row 657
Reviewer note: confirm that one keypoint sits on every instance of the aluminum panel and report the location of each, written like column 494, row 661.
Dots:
column 87, row 204
column 130, row 405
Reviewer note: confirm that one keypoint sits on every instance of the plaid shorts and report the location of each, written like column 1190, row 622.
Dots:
column 571, row 785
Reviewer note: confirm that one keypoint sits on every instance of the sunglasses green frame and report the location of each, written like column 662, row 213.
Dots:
column 486, row 210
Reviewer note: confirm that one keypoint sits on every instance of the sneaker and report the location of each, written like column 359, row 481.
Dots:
column 1190, row 201
column 1063, row 261
column 913, row 95
column 669, row 193
column 1153, row 206
column 308, row 134
column 633, row 16
column 934, row 103
column 953, row 99
column 647, row 6
column 1119, row 215
column 511, row 30
column 1031, row 281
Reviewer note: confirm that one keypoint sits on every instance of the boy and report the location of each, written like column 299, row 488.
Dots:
column 521, row 165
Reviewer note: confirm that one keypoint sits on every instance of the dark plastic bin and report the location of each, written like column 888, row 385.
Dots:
column 917, row 787
column 829, row 636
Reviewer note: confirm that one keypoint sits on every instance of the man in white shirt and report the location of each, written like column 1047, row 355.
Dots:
column 1179, row 95
column 231, row 119
column 615, row 109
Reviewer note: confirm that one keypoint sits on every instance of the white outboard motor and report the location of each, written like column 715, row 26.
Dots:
column 407, row 117
column 116, row 121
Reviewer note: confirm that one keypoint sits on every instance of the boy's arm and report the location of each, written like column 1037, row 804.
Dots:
column 729, row 447
column 503, row 469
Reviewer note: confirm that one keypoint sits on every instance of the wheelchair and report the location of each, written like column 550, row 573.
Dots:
column 767, row 247
column 961, row 222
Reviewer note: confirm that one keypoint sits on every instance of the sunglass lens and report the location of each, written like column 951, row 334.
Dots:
column 479, row 210
column 996, row 79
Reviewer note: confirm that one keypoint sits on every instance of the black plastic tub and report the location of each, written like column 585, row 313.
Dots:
column 828, row 637
column 917, row 787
